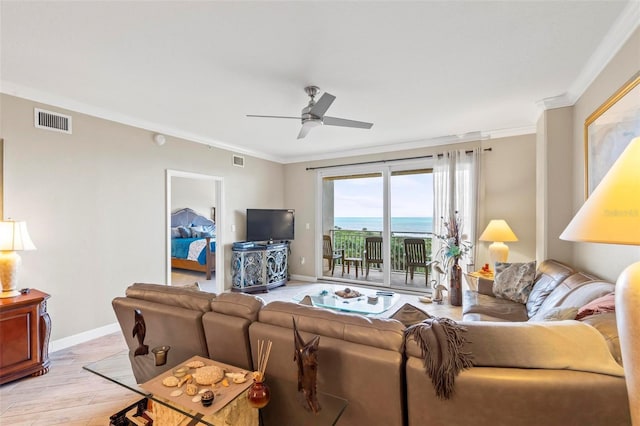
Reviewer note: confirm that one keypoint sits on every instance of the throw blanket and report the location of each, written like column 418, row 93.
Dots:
column 441, row 342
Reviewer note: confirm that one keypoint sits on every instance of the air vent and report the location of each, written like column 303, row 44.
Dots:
column 238, row 160
column 52, row 121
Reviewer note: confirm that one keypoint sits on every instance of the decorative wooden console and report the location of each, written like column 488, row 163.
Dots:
column 258, row 267
column 25, row 328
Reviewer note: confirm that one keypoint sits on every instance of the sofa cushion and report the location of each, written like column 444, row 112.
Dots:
column 570, row 345
column 587, row 292
column 481, row 304
column 606, row 324
column 559, row 313
column 606, row 303
column 175, row 296
column 238, row 305
column 549, row 275
column 557, row 296
column 513, row 281
column 409, row 315
column 379, row 332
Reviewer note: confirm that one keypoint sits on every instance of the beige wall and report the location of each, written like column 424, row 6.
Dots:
column 605, row 260
column 196, row 194
column 554, row 176
column 508, row 192
column 94, row 202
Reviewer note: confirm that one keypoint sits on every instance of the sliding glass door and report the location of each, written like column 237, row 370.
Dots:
column 366, row 216
column 352, row 217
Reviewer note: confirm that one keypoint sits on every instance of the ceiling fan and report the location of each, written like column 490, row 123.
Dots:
column 313, row 114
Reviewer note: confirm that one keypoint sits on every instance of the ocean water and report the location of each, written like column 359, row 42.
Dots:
column 398, row 224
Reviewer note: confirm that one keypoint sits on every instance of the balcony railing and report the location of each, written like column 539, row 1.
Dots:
column 352, row 242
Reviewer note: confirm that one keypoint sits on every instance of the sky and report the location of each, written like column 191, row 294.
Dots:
column 411, row 196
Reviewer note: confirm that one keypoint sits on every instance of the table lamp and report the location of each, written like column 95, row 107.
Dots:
column 13, row 237
column 611, row 215
column 498, row 231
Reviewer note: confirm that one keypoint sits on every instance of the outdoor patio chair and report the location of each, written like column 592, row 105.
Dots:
column 416, row 257
column 373, row 252
column 330, row 254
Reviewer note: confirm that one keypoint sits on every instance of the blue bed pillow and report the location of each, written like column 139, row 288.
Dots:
column 184, row 232
column 175, row 233
column 202, row 231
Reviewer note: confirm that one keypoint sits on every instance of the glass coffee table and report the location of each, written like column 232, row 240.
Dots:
column 284, row 399
column 368, row 302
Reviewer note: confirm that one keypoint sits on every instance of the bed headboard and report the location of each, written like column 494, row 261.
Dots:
column 188, row 217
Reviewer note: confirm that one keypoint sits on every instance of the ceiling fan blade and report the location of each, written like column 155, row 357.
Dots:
column 333, row 121
column 323, row 104
column 306, row 128
column 272, row 116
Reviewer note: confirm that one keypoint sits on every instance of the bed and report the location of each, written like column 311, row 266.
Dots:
column 193, row 242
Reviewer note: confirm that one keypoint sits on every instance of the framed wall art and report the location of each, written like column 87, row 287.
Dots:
column 608, row 131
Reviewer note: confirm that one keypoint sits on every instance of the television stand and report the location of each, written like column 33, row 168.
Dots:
column 257, row 267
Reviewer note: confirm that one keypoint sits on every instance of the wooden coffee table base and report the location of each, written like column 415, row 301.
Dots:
column 237, row 412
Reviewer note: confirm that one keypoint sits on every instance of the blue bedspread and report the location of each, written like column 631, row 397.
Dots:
column 180, row 249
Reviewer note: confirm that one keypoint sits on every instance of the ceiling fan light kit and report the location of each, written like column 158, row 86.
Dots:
column 313, row 115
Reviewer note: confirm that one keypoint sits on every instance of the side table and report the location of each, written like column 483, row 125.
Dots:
column 357, row 262
column 25, row 327
column 477, row 281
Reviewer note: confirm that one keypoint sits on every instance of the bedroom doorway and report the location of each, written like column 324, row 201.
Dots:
column 203, row 194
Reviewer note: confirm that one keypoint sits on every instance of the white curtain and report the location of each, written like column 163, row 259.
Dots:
column 456, row 176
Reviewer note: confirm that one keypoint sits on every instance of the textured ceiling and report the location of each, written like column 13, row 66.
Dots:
column 422, row 72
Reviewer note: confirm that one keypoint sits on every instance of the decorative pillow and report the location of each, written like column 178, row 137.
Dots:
column 184, row 232
column 606, row 303
column 175, row 233
column 410, row 315
column 556, row 314
column 513, row 281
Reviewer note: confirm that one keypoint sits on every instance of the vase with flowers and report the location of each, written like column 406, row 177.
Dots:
column 453, row 247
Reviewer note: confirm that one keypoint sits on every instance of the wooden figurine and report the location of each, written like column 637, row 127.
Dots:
column 306, row 356
column 139, row 331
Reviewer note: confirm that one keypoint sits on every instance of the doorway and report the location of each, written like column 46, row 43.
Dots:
column 204, row 194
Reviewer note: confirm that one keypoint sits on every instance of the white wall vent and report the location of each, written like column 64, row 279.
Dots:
column 50, row 120
column 238, row 160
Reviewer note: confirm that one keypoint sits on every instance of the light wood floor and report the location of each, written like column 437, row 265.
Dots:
column 71, row 396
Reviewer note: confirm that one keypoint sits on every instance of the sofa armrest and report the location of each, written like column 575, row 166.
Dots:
column 568, row 345
column 485, row 286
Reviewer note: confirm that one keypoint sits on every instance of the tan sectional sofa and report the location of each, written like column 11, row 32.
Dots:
column 528, row 371
column 525, row 372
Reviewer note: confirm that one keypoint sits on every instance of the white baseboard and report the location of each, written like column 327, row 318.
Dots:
column 303, row 278
column 85, row 336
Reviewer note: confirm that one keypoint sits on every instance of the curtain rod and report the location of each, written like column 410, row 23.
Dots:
column 384, row 161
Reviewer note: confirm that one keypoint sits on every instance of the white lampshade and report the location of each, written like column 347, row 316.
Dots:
column 13, row 237
column 498, row 231
column 611, row 214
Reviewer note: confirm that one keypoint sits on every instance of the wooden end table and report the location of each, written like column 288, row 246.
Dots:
column 25, row 328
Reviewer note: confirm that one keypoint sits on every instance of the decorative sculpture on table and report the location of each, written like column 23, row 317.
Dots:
column 139, row 331
column 306, row 356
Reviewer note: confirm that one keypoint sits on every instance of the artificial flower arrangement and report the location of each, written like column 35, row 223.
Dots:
column 454, row 246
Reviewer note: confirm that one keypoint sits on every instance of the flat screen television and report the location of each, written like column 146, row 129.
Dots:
column 270, row 224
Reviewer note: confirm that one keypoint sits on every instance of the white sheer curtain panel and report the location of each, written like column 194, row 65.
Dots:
column 456, row 175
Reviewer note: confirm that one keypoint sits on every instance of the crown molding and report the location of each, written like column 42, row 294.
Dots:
column 560, row 101
column 416, row 144
column 34, row 95
column 622, row 29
